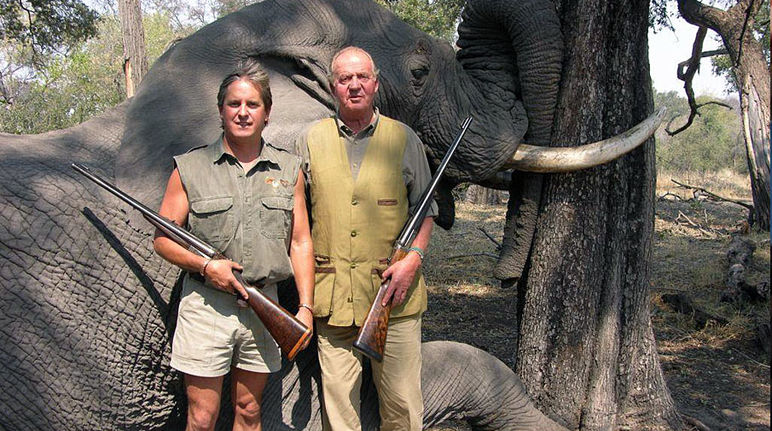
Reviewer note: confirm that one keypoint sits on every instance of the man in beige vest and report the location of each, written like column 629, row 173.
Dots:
column 365, row 171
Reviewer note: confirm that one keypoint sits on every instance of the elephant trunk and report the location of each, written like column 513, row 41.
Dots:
column 528, row 43
column 517, row 44
column 470, row 384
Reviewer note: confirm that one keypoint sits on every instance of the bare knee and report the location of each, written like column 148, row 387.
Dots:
column 247, row 411
column 201, row 418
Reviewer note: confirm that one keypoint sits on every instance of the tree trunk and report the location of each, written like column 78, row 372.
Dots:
column 586, row 349
column 752, row 73
column 134, row 58
column 480, row 195
column 755, row 117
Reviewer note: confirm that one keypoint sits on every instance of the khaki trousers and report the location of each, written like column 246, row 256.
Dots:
column 397, row 378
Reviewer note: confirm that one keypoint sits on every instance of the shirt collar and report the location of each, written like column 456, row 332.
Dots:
column 268, row 153
column 343, row 128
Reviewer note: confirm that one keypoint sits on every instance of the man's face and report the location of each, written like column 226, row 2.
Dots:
column 354, row 84
column 243, row 112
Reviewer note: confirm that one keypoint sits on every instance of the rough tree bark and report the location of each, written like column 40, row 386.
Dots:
column 134, row 58
column 752, row 73
column 586, row 349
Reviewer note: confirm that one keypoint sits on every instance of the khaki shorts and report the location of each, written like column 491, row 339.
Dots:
column 214, row 334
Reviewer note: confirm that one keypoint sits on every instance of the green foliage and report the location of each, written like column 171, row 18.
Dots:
column 46, row 25
column 672, row 100
column 68, row 90
column 435, row 17
column 201, row 12
column 224, row 7
column 713, row 142
column 659, row 15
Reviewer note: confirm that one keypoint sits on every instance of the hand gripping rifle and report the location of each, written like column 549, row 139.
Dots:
column 371, row 339
column 289, row 332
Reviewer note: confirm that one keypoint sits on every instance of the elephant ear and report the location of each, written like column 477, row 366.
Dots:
column 175, row 108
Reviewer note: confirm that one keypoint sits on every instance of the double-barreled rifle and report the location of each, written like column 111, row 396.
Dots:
column 288, row 331
column 371, row 338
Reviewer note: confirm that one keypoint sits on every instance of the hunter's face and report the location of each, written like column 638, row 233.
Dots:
column 243, row 112
column 354, row 83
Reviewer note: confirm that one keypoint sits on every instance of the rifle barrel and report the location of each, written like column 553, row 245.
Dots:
column 165, row 225
column 414, row 223
column 288, row 331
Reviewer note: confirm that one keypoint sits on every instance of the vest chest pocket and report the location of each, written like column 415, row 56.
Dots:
column 275, row 216
column 212, row 220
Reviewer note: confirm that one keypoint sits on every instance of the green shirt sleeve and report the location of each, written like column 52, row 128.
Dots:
column 415, row 171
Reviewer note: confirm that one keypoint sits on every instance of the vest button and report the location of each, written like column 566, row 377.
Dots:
column 354, row 202
column 353, row 265
column 353, row 233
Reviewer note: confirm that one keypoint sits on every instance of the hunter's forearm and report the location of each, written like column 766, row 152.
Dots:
column 424, row 234
column 176, row 254
column 302, row 258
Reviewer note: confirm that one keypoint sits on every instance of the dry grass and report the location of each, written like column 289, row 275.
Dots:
column 717, row 374
column 725, row 183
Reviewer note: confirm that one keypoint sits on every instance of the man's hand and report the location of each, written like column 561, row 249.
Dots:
column 220, row 273
column 305, row 316
column 402, row 274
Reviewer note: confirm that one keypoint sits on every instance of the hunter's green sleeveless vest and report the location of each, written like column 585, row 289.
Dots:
column 248, row 216
column 355, row 223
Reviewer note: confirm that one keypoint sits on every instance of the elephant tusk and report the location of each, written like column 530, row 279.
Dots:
column 531, row 158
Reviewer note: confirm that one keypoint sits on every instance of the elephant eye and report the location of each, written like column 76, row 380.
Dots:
column 420, row 73
column 419, row 65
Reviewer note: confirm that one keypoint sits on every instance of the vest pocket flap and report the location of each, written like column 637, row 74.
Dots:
column 277, row 202
column 323, row 288
column 213, row 205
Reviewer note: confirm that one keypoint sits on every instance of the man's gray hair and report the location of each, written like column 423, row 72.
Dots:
column 251, row 71
column 331, row 77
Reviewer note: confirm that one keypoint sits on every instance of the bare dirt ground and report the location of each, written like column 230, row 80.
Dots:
column 718, row 375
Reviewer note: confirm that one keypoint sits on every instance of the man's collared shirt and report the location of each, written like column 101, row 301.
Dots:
column 415, row 167
column 245, row 213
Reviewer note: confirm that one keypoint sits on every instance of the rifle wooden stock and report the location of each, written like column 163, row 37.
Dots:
column 371, row 339
column 289, row 332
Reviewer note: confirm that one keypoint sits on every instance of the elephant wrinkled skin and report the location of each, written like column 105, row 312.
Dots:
column 88, row 309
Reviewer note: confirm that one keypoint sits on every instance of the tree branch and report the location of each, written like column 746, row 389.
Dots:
column 490, row 237
column 696, row 13
column 714, row 196
column 715, row 52
column 692, row 65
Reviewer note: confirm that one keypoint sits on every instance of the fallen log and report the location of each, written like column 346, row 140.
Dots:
column 684, row 305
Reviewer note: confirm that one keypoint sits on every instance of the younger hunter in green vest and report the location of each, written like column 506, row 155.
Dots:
column 247, row 198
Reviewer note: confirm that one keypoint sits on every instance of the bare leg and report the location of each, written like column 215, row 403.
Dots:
column 247, row 396
column 203, row 401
